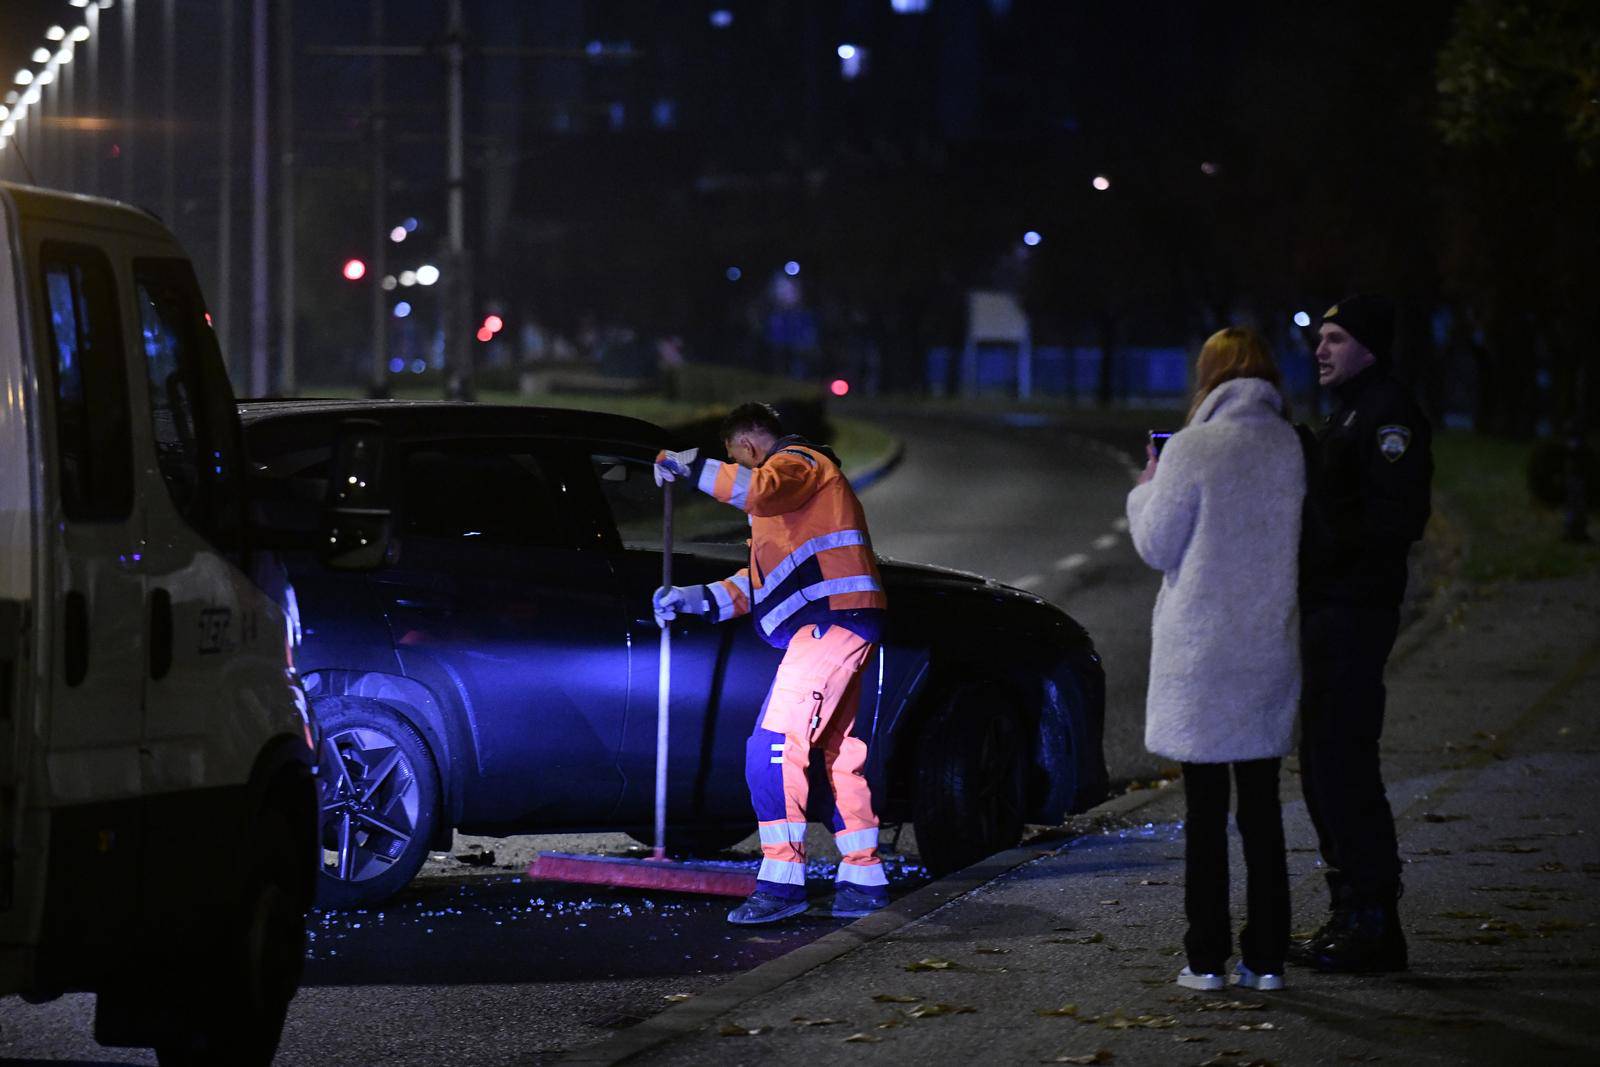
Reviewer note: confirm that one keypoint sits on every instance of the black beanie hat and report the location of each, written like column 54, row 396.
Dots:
column 1369, row 319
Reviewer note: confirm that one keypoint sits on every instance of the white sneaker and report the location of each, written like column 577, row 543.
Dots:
column 1189, row 980
column 1244, row 976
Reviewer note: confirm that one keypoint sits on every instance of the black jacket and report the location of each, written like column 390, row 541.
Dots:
column 1372, row 488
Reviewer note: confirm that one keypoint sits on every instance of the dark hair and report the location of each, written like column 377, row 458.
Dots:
column 752, row 416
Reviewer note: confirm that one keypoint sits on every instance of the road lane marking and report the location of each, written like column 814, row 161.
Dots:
column 1105, row 541
column 1067, row 563
column 1121, row 525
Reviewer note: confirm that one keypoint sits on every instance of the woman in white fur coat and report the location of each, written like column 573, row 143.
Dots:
column 1218, row 513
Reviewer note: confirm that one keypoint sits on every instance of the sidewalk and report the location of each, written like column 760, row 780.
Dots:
column 1066, row 952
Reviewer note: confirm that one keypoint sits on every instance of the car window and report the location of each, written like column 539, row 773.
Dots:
column 501, row 496
column 630, row 492
column 93, row 425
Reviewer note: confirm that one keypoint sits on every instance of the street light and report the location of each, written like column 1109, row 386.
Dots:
column 1101, row 182
column 354, row 270
column 1031, row 238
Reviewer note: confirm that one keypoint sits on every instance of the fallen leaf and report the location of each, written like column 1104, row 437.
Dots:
column 933, row 1011
column 1092, row 939
column 930, row 965
column 801, row 1020
column 1111, row 902
column 890, row 1024
column 1432, row 816
column 1254, row 1026
column 863, row 1039
column 986, row 951
column 1100, row 1055
column 1188, row 1039
column 894, row 998
column 1550, row 926
column 1056, row 1013
column 1551, row 868
column 735, row 1030
column 1150, row 881
column 677, row 998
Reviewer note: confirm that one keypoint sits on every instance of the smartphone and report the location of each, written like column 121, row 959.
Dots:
column 1158, row 439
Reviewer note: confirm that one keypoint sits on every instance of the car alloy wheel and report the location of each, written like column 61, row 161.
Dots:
column 369, row 806
column 379, row 796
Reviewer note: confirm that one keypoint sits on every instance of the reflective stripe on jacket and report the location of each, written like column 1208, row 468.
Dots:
column 811, row 558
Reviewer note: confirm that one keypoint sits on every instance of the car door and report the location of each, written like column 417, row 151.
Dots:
column 493, row 603
column 719, row 673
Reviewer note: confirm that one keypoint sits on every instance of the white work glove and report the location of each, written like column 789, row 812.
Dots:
column 670, row 466
column 670, row 600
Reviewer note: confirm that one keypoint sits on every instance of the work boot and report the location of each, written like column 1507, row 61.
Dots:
column 1371, row 943
column 761, row 907
column 851, row 903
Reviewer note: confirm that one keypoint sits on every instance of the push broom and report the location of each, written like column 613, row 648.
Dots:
column 657, row 872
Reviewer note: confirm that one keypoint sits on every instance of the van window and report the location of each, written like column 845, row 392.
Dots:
column 93, row 426
column 192, row 413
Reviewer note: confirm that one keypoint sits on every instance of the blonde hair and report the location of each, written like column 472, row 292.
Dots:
column 1235, row 352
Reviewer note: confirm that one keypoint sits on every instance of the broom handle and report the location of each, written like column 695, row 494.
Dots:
column 664, row 680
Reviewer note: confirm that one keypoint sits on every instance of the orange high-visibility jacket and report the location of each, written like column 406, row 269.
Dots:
column 811, row 558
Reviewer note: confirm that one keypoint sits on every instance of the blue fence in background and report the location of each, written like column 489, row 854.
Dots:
column 1138, row 373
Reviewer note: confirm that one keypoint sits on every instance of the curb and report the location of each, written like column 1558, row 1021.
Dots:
column 683, row 1019
column 878, row 471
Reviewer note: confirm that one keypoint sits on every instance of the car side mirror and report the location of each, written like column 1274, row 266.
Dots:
column 357, row 522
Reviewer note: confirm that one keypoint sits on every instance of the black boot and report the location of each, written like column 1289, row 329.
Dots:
column 1371, row 942
column 1340, row 908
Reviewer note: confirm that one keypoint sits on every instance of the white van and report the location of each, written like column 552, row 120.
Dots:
column 157, row 796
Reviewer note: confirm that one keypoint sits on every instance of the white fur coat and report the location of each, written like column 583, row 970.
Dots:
column 1221, row 521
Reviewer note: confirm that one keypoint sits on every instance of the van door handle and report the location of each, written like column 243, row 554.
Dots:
column 160, row 635
column 75, row 649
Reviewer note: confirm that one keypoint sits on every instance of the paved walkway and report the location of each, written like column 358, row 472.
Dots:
column 1065, row 952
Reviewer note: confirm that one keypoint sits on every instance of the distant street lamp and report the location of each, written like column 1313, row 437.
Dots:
column 1031, row 238
column 1101, row 182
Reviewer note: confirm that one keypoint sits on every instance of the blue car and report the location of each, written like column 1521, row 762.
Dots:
column 495, row 669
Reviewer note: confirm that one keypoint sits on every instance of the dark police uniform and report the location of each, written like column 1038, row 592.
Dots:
column 1371, row 501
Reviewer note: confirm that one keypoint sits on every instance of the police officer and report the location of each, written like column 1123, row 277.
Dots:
column 1369, row 501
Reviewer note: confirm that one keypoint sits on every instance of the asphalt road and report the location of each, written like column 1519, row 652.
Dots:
column 483, row 968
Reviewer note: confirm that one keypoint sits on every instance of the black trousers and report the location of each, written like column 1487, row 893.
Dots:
column 1264, row 939
column 1344, row 649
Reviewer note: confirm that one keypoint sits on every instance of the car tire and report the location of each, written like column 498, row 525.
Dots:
column 970, row 787
column 380, row 802
column 260, row 957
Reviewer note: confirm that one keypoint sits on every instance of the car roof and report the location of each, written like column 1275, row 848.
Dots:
column 274, row 427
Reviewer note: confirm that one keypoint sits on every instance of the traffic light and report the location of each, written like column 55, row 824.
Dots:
column 839, row 387
column 354, row 270
column 492, row 324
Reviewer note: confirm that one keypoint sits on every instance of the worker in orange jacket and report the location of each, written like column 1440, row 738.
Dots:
column 813, row 588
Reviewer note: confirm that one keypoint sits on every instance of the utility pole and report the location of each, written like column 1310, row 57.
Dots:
column 224, row 316
column 125, row 142
column 286, row 309
column 458, row 357
column 457, row 280
column 260, row 382
column 91, row 19
column 169, row 118
column 379, row 381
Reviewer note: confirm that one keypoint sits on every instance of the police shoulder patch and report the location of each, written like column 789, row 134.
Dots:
column 1393, row 441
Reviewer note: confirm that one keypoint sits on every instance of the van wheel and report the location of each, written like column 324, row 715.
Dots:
column 971, row 764
column 379, row 791
column 262, row 955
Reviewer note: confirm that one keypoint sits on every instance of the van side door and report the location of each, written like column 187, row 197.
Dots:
column 99, row 625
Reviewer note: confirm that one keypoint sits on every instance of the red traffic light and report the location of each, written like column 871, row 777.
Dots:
column 484, row 333
column 839, row 387
column 354, row 270
column 494, row 324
